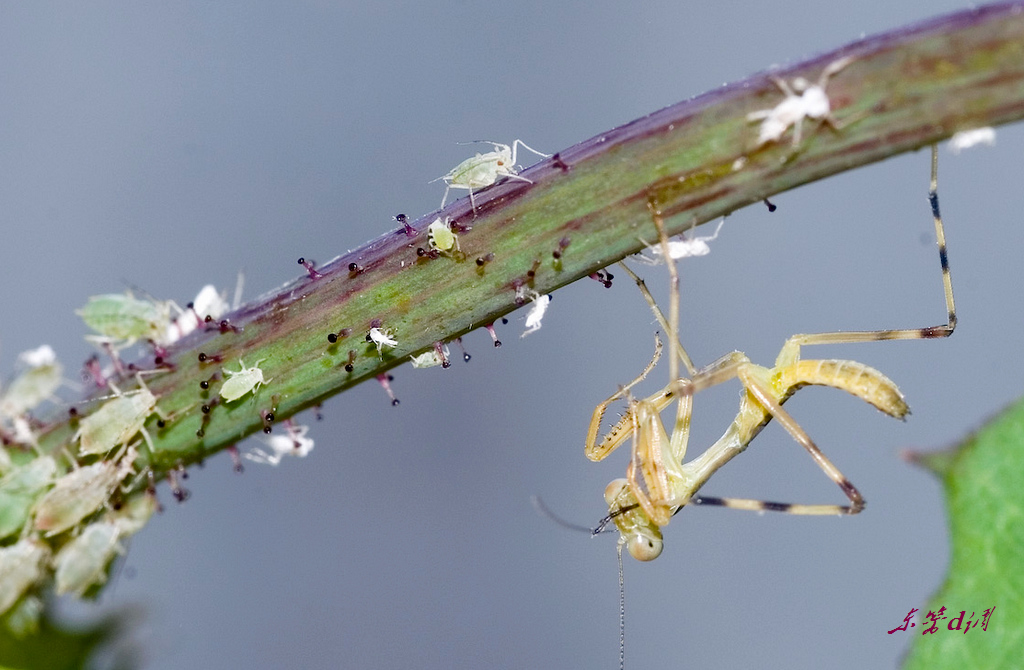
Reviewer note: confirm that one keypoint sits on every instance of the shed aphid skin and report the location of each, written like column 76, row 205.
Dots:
column 965, row 139
column 84, row 561
column 537, row 310
column 82, row 492
column 482, row 170
column 658, row 483
column 441, row 237
column 120, row 319
column 293, row 443
column 432, row 357
column 803, row 100
column 241, row 381
column 209, row 304
column 40, row 377
column 681, row 247
column 21, row 566
column 382, row 337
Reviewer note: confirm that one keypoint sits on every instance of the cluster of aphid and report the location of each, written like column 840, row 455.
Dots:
column 61, row 522
column 64, row 515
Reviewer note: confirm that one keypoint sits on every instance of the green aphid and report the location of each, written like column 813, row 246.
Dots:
column 81, row 493
column 84, row 561
column 37, row 382
column 121, row 319
column 21, row 566
column 116, row 422
column 441, row 237
column 19, row 490
column 242, row 381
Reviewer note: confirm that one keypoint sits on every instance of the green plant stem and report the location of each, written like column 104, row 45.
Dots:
column 695, row 161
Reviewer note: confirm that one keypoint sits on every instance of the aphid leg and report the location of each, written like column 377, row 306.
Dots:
column 114, row 358
column 519, row 143
column 385, row 381
column 770, row 205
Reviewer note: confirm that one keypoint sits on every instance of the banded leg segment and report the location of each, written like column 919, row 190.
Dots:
column 791, row 350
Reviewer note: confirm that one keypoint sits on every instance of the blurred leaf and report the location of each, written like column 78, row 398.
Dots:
column 983, row 478
column 55, row 646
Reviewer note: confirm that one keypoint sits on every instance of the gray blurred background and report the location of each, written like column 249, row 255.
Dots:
column 173, row 146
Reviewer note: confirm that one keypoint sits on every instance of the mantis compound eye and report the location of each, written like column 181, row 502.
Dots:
column 644, row 548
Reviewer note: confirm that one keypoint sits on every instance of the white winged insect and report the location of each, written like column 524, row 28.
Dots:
column 484, row 169
column 242, row 381
column 803, row 100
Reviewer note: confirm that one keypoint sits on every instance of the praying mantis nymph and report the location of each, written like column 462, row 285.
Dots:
column 658, row 483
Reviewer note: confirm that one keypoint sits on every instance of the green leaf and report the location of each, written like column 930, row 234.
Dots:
column 983, row 478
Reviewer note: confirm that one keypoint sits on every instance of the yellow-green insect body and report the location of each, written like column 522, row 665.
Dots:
column 484, row 169
column 83, row 562
column 441, row 237
column 116, row 422
column 242, row 381
column 82, row 492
